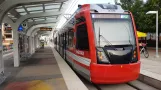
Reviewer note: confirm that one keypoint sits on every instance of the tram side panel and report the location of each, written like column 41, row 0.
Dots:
column 70, row 45
column 82, row 58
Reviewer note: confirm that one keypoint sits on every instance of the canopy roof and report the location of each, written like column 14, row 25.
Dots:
column 141, row 34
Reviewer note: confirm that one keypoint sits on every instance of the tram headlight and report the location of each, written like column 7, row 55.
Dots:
column 101, row 56
column 134, row 57
column 134, row 54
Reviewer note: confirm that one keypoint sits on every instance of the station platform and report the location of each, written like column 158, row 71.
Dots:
column 46, row 70
column 151, row 69
column 41, row 72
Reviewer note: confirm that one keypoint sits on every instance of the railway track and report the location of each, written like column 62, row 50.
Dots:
column 115, row 87
column 133, row 85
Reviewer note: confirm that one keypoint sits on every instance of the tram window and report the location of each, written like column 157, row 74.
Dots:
column 62, row 39
column 79, row 20
column 66, row 38
column 82, row 38
column 59, row 40
column 70, row 38
column 55, row 41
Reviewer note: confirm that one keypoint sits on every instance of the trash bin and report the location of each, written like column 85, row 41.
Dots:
column 42, row 44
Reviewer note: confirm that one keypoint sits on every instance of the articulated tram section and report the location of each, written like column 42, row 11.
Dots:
column 77, row 45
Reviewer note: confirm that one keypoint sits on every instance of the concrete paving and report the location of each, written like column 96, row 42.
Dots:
column 71, row 79
column 8, row 51
column 151, row 69
column 151, row 64
column 40, row 72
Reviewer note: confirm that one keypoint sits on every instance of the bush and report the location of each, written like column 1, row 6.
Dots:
column 152, row 43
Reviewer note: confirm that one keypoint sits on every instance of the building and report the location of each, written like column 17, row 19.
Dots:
column 7, row 36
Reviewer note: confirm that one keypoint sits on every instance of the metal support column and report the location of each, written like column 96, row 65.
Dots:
column 26, row 43
column 15, row 47
column 35, row 41
column 1, row 51
column 30, row 45
column 157, row 55
column 33, row 45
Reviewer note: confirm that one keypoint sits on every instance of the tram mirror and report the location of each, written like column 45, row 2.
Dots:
column 79, row 5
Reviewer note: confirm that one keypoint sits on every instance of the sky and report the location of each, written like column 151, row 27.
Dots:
column 145, row 1
column 96, row 1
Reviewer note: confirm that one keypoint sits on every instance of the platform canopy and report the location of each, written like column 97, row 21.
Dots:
column 141, row 34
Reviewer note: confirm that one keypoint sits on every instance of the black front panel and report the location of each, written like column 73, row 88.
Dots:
column 120, row 54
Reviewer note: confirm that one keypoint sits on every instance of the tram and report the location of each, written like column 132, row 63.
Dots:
column 100, row 42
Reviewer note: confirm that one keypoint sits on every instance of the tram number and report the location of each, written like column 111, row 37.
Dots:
column 111, row 10
column 80, row 52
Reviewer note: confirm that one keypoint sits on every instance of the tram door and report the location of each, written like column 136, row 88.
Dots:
column 65, row 43
column 56, row 43
column 61, row 45
column 82, row 41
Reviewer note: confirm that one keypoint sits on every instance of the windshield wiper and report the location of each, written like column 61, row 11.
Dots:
column 109, row 43
column 128, row 36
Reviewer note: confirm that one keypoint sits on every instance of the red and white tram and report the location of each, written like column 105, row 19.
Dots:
column 101, row 44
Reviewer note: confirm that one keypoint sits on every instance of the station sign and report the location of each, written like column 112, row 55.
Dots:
column 45, row 29
column 20, row 28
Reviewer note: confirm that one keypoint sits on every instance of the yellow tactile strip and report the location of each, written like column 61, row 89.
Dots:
column 32, row 85
column 39, row 85
column 51, row 84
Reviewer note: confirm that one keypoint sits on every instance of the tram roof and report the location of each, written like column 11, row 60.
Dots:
column 96, row 8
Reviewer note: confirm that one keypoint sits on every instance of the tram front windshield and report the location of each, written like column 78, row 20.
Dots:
column 113, row 29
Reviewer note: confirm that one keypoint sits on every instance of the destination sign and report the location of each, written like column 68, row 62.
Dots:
column 45, row 29
column 123, row 16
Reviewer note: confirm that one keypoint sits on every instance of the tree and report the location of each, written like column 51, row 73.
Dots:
column 145, row 23
column 127, row 4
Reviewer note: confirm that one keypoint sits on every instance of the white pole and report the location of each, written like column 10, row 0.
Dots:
column 157, row 34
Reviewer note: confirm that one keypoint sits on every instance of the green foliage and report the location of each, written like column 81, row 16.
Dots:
column 144, row 23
